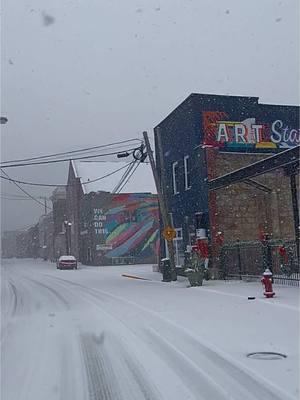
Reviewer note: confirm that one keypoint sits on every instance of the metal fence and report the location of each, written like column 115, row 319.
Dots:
column 248, row 260
column 122, row 260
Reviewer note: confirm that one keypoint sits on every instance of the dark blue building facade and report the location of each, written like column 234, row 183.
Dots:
column 228, row 124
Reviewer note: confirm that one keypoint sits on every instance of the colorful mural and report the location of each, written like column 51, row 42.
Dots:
column 128, row 226
column 221, row 131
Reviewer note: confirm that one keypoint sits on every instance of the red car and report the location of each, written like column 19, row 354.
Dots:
column 67, row 262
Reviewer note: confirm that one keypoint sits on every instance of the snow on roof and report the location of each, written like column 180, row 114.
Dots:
column 66, row 258
column 141, row 181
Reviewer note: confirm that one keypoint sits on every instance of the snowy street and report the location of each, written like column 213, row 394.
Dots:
column 94, row 334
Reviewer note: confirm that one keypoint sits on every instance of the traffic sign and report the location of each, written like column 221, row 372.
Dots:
column 169, row 233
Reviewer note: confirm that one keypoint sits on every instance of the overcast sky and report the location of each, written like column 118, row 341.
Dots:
column 79, row 73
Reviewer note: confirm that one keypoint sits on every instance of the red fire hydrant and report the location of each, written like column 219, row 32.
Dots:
column 266, row 280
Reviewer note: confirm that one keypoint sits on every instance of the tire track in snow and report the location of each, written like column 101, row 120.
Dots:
column 9, row 314
column 186, row 369
column 86, row 289
column 144, row 389
column 142, row 382
column 118, row 363
column 237, row 378
column 194, row 377
column 102, row 382
column 15, row 298
column 51, row 290
column 234, row 382
column 125, row 366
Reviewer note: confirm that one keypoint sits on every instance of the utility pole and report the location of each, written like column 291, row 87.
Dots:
column 162, row 203
column 294, row 194
column 45, row 204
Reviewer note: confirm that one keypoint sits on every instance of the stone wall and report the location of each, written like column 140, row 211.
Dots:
column 244, row 212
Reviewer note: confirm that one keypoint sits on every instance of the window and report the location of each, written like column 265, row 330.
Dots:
column 187, row 173
column 175, row 177
column 178, row 234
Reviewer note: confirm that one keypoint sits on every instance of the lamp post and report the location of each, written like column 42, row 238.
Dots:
column 68, row 236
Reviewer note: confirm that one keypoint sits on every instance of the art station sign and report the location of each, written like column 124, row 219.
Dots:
column 221, row 131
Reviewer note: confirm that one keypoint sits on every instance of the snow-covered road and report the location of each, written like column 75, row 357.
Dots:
column 94, row 334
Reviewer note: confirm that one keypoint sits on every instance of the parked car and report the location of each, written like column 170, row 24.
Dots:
column 66, row 262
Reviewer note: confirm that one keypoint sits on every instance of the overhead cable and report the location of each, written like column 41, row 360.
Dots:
column 15, row 195
column 62, row 160
column 61, row 185
column 128, row 178
column 24, row 191
column 123, row 177
column 14, row 198
column 69, row 152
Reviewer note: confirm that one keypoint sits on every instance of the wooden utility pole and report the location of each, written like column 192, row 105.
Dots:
column 294, row 194
column 162, row 203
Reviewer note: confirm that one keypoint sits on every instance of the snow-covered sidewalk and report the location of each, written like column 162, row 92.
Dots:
column 159, row 340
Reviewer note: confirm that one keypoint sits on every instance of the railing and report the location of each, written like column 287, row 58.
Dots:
column 122, row 260
column 248, row 260
column 290, row 280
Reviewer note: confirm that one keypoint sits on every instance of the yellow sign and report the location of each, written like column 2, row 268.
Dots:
column 169, row 233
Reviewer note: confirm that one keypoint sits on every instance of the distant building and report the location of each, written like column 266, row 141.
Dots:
column 59, row 210
column 112, row 227
column 210, row 135
column 33, row 245
column 21, row 244
column 9, row 244
column 46, row 236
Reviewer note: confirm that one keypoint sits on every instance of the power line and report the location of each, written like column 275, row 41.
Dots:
column 24, row 191
column 14, row 198
column 62, row 160
column 123, row 177
column 19, row 196
column 70, row 152
column 60, row 185
column 133, row 171
column 109, row 174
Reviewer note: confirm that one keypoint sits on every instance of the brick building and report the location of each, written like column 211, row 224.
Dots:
column 119, row 228
column 109, row 227
column 59, row 211
column 207, row 136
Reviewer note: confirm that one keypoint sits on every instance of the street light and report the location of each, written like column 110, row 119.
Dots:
column 3, row 120
column 68, row 236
